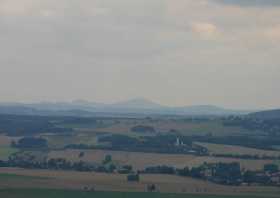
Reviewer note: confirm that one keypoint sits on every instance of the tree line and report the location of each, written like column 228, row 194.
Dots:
column 221, row 173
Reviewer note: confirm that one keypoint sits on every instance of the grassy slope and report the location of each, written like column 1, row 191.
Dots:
column 35, row 193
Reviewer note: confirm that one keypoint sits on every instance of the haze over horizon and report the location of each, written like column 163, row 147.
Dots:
column 175, row 53
column 134, row 101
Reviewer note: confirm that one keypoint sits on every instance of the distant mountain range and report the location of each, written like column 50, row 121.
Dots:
column 131, row 107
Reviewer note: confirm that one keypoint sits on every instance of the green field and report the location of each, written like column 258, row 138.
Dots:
column 5, row 152
column 35, row 193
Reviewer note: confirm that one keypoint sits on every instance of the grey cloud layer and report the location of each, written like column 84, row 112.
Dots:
column 251, row 2
column 174, row 52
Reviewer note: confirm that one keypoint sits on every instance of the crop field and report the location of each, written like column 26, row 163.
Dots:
column 47, row 179
column 228, row 149
column 50, row 193
column 142, row 160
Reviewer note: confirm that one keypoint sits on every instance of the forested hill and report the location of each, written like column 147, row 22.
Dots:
column 266, row 115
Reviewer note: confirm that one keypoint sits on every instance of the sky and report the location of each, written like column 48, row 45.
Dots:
column 174, row 52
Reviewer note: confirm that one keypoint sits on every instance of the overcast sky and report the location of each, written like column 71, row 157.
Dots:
column 175, row 52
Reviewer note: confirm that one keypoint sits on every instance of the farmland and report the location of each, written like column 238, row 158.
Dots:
column 46, row 179
column 73, row 157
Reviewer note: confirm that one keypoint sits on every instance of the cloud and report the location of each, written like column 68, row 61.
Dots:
column 12, row 7
column 205, row 30
column 250, row 2
column 273, row 33
column 51, row 8
column 108, row 50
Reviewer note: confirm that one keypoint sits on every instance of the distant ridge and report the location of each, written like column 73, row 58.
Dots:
column 134, row 106
column 138, row 103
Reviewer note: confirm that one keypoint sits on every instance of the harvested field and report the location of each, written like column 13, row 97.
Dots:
column 142, row 160
column 116, row 182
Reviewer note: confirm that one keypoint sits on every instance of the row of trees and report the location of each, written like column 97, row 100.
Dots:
column 223, row 173
column 27, row 160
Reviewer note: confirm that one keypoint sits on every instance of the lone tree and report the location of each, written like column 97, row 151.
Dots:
column 81, row 154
